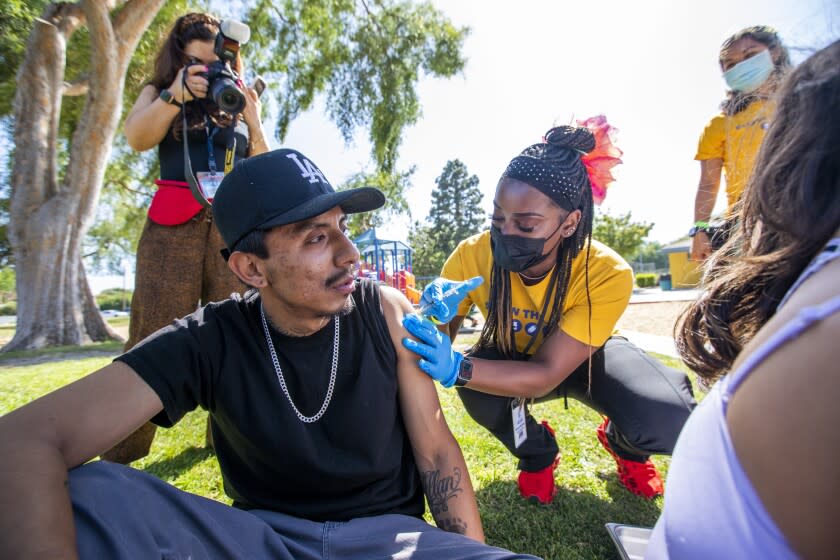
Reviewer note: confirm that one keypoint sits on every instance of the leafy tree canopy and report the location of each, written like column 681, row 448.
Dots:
column 620, row 233
column 456, row 214
column 16, row 23
column 393, row 185
column 121, row 215
column 364, row 57
column 650, row 252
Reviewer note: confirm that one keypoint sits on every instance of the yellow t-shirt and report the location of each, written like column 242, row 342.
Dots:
column 736, row 139
column 610, row 287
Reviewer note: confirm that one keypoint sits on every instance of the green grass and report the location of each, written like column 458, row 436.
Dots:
column 118, row 321
column 8, row 331
column 572, row 527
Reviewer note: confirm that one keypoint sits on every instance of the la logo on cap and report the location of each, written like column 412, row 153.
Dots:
column 308, row 170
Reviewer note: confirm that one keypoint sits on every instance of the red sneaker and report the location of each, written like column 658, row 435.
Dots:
column 640, row 478
column 538, row 487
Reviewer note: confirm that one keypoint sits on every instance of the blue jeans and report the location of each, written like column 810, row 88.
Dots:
column 123, row 513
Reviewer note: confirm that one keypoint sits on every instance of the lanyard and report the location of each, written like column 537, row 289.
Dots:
column 230, row 149
column 211, row 152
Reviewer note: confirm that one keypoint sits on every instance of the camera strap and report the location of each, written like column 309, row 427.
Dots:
column 211, row 151
column 195, row 188
column 230, row 155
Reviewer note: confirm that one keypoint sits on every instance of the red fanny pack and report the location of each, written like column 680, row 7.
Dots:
column 173, row 203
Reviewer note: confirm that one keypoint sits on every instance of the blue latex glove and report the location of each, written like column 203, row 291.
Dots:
column 438, row 359
column 441, row 297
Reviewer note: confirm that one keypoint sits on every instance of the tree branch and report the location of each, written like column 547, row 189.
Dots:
column 102, row 41
column 124, row 185
column 112, row 44
column 365, row 6
column 371, row 17
column 278, row 12
column 131, row 22
column 77, row 88
column 67, row 17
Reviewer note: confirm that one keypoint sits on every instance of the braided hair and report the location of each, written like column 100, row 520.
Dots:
column 554, row 168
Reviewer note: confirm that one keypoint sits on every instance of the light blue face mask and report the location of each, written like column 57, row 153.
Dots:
column 748, row 75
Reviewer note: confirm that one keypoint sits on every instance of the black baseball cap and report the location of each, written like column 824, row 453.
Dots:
column 277, row 188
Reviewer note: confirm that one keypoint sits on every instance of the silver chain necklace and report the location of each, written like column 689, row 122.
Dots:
column 279, row 372
column 534, row 278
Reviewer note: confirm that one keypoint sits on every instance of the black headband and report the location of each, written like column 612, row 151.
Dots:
column 561, row 181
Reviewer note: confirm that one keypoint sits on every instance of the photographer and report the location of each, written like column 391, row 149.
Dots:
column 178, row 261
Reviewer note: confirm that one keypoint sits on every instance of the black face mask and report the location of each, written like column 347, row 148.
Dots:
column 516, row 253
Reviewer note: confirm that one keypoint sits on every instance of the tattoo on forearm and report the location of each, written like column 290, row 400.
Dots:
column 439, row 490
column 453, row 525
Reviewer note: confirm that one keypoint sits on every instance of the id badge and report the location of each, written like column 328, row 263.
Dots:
column 209, row 182
column 520, row 430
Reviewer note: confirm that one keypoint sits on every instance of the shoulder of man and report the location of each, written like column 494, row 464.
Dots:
column 222, row 312
column 393, row 298
column 236, row 303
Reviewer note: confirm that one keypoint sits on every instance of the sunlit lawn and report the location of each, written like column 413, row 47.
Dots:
column 572, row 527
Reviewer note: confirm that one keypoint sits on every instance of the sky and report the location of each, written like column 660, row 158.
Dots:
column 649, row 66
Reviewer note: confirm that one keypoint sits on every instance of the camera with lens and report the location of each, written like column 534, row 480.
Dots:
column 221, row 76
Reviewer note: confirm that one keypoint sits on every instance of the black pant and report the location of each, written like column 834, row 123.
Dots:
column 646, row 401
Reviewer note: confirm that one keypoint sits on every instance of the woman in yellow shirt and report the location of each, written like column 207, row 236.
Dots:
column 753, row 61
column 551, row 297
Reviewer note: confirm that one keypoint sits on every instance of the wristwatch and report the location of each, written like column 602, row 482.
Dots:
column 464, row 372
column 166, row 97
column 697, row 228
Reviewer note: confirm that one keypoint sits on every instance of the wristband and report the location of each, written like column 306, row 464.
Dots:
column 700, row 224
column 166, row 96
column 465, row 370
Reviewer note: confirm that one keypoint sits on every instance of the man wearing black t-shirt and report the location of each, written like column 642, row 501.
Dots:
column 327, row 433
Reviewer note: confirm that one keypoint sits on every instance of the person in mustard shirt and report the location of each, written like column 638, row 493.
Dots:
column 551, row 296
column 752, row 60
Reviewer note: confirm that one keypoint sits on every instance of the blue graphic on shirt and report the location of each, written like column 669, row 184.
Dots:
column 532, row 318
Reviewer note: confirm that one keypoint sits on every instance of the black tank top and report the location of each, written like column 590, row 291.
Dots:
column 171, row 151
column 355, row 461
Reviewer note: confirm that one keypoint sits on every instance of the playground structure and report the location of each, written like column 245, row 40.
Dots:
column 388, row 262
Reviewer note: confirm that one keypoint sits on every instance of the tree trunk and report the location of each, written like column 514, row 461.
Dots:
column 48, row 218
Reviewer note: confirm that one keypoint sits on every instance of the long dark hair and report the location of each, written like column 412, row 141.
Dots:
column 790, row 210
column 171, row 58
column 561, row 151
column 737, row 101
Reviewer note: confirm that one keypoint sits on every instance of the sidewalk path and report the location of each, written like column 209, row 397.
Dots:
column 655, row 295
column 673, row 301
column 651, row 342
